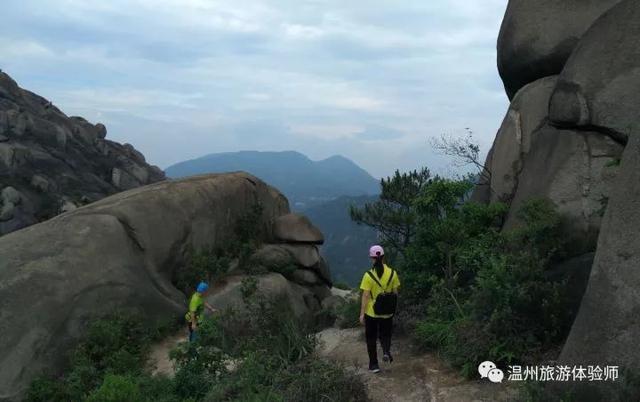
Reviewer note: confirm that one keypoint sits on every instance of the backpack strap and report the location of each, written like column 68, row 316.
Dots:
column 383, row 288
column 390, row 277
column 375, row 279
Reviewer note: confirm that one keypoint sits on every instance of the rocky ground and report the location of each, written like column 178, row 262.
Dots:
column 412, row 377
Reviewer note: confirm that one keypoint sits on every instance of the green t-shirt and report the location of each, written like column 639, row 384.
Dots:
column 196, row 307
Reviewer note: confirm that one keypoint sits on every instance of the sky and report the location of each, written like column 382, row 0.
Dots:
column 371, row 80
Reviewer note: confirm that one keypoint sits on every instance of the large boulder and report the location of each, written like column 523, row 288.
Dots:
column 227, row 293
column 532, row 159
column 537, row 37
column 121, row 251
column 296, row 228
column 527, row 113
column 305, row 277
column 607, row 327
column 52, row 159
column 575, row 170
column 598, row 88
column 307, row 256
column 323, row 271
column 272, row 256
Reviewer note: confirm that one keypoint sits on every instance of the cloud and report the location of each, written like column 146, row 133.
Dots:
column 179, row 78
column 379, row 134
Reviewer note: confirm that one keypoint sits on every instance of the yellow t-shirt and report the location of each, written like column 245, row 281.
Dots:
column 369, row 285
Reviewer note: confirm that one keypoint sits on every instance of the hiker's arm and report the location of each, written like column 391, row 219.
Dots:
column 213, row 310
column 366, row 295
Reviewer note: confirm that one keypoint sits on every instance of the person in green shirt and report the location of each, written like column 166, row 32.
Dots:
column 377, row 326
column 196, row 309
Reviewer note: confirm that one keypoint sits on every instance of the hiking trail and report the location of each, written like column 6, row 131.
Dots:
column 412, row 377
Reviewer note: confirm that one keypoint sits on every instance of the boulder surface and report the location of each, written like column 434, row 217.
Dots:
column 537, row 37
column 296, row 228
column 121, row 251
column 599, row 86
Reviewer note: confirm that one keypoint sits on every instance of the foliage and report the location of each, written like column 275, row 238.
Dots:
column 316, row 380
column 207, row 264
column 474, row 291
column 115, row 345
column 349, row 314
column 615, row 162
column 117, row 388
column 393, row 214
column 271, row 352
column 203, row 265
column 491, row 298
column 464, row 150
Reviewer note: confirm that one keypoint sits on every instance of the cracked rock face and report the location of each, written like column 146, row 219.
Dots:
column 55, row 161
column 600, row 83
column 118, row 252
column 584, row 157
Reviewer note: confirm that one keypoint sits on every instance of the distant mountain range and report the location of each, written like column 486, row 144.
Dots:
column 306, row 183
column 322, row 190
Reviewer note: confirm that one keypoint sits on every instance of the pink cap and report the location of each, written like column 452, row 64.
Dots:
column 376, row 251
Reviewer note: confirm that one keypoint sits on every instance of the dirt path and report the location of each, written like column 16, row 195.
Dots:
column 159, row 362
column 411, row 377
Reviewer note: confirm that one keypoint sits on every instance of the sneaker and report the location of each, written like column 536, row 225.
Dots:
column 373, row 368
column 387, row 358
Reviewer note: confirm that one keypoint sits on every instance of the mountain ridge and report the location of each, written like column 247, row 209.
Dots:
column 304, row 181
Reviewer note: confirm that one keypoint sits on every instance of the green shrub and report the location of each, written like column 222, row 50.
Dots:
column 117, row 388
column 312, row 379
column 203, row 265
column 348, row 314
column 114, row 345
column 209, row 264
column 46, row 389
column 493, row 300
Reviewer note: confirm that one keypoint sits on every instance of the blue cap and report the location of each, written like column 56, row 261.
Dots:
column 202, row 287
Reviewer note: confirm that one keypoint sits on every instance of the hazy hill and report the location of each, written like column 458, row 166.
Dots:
column 346, row 244
column 305, row 182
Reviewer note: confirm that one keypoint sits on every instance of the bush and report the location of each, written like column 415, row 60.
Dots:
column 312, row 379
column 498, row 304
column 348, row 314
column 116, row 388
column 203, row 265
column 114, row 345
column 209, row 264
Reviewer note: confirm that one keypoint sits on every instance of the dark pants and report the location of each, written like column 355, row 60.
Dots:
column 377, row 328
column 192, row 332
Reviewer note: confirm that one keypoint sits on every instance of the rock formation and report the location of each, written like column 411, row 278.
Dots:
column 537, row 37
column 572, row 69
column 51, row 163
column 298, row 272
column 123, row 251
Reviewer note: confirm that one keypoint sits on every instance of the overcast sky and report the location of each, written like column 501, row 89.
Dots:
column 371, row 80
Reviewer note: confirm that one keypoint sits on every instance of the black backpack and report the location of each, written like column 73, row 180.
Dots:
column 386, row 302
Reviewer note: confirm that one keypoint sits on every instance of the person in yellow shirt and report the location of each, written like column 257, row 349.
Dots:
column 196, row 309
column 380, row 279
